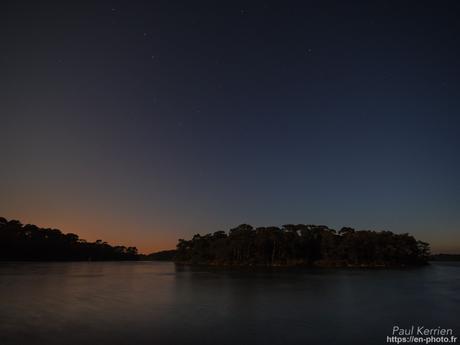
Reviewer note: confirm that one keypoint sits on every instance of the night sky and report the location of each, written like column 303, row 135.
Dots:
column 141, row 122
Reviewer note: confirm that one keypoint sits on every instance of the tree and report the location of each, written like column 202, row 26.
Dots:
column 29, row 242
column 302, row 244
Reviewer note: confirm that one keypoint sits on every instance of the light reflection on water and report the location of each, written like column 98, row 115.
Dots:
column 160, row 303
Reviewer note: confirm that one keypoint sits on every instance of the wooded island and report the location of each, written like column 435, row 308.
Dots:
column 303, row 245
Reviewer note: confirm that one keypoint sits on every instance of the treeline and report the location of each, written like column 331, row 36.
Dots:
column 31, row 243
column 293, row 245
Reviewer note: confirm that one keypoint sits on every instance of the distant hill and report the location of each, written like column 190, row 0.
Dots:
column 298, row 245
column 164, row 255
column 31, row 243
column 445, row 257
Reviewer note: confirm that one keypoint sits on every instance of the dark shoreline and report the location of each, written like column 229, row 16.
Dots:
column 302, row 266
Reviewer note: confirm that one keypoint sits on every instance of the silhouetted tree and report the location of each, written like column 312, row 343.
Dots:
column 29, row 242
column 302, row 245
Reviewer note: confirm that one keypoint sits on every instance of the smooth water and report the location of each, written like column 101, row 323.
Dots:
column 158, row 303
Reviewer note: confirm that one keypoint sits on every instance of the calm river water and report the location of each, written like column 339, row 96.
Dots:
column 158, row 303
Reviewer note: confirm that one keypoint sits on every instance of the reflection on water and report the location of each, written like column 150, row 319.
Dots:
column 160, row 303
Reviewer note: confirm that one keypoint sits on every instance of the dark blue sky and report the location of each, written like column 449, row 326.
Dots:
column 141, row 123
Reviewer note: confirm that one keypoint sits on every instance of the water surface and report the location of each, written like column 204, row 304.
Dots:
column 159, row 303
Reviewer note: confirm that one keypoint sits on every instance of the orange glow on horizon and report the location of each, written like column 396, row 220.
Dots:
column 114, row 233
column 130, row 231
